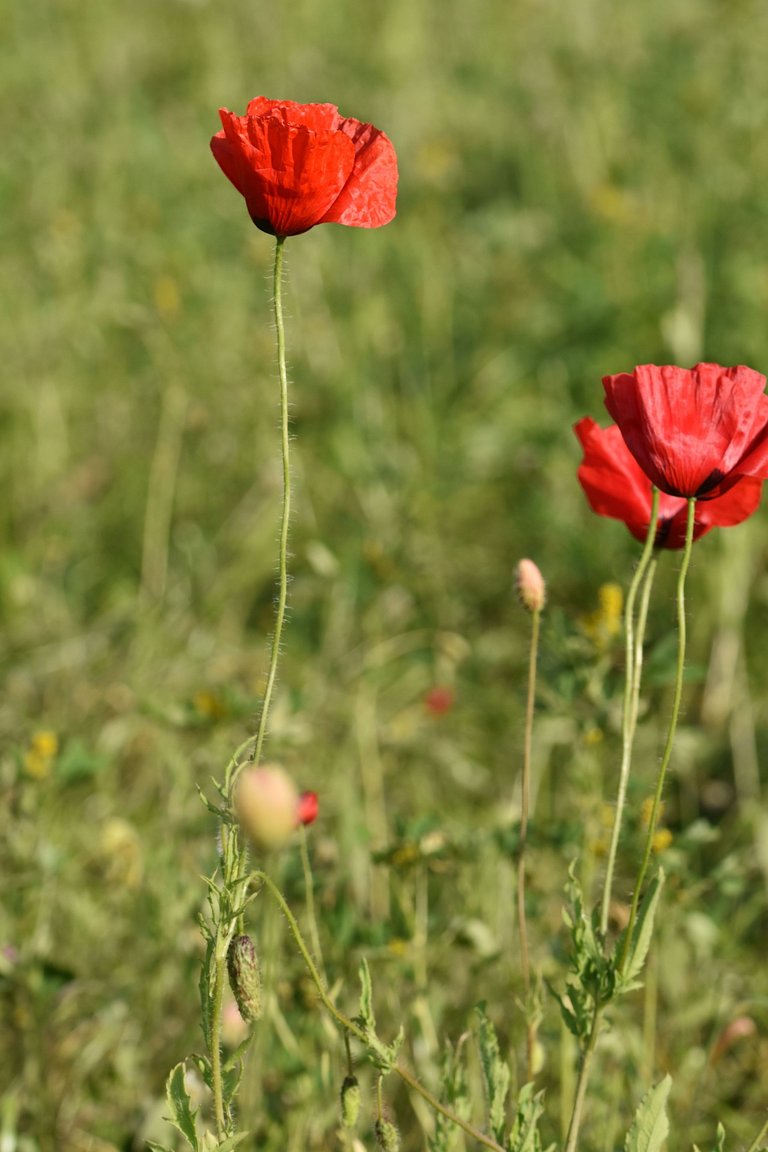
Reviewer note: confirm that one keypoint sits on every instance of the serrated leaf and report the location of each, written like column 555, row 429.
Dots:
column 650, row 1126
column 233, row 1141
column 182, row 1116
column 454, row 1094
column 495, row 1073
column 366, row 1016
column 642, row 935
column 524, row 1136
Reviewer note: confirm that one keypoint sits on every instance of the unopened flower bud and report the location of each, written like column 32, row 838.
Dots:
column 350, row 1101
column 245, row 977
column 530, row 586
column 387, row 1135
column 307, row 808
column 266, row 803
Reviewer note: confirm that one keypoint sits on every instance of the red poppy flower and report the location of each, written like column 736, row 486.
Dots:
column 298, row 165
column 694, row 432
column 307, row 808
column 439, row 700
column 616, row 486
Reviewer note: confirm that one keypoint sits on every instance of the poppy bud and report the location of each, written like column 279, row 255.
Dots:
column 307, row 808
column 266, row 803
column 245, row 977
column 350, row 1101
column 530, row 586
column 387, row 1135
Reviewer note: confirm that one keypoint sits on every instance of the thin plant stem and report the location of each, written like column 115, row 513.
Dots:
column 309, row 896
column 667, row 754
column 285, row 444
column 633, row 661
column 757, row 1144
column 525, row 962
column 352, row 1029
column 581, row 1083
column 218, row 996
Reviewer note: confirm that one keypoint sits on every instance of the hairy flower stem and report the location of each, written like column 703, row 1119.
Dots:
column 525, row 963
column 581, row 1083
column 285, row 445
column 667, row 754
column 215, row 1054
column 633, row 638
column 349, row 1026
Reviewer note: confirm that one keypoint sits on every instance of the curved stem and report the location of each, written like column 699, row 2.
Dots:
column 581, row 1084
column 667, row 754
column 350, row 1027
column 633, row 663
column 525, row 963
column 285, row 445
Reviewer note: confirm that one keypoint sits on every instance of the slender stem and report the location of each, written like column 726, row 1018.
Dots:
column 309, row 896
column 285, row 444
column 667, row 754
column 581, row 1083
column 350, row 1027
column 633, row 663
column 757, row 1143
column 525, row 962
column 218, row 995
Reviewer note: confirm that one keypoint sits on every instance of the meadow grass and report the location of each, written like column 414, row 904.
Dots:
column 582, row 189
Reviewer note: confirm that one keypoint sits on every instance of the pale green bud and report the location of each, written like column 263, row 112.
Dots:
column 350, row 1101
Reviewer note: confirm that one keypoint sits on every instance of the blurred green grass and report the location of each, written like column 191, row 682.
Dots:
column 582, row 188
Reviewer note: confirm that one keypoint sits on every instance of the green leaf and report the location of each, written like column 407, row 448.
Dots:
column 495, row 1073
column 454, row 1094
column 366, row 1016
column 182, row 1116
column 156, row 1147
column 641, row 936
column 524, row 1136
column 650, row 1127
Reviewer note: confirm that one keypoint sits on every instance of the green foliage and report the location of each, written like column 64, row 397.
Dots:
column 382, row 1056
column 496, row 1074
column 650, row 1126
column 582, row 188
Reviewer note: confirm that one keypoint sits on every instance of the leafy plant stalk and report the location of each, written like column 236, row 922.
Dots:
column 352, row 1028
column 667, row 754
column 521, row 860
column 582, row 1080
column 633, row 663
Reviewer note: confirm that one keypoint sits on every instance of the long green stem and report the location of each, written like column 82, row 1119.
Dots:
column 667, row 754
column 218, row 996
column 633, row 662
column 285, row 444
column 521, row 861
column 350, row 1027
column 757, row 1144
column 581, row 1083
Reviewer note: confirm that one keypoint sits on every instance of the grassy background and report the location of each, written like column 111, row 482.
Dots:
column 582, row 188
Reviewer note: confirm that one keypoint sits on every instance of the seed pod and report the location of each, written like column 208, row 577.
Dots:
column 245, row 977
column 350, row 1101
column 387, row 1135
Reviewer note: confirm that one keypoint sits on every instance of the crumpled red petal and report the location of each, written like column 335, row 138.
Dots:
column 616, row 486
column 694, row 432
column 298, row 165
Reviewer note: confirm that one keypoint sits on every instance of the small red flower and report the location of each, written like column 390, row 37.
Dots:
column 616, row 486
column 439, row 700
column 307, row 808
column 298, row 165
column 694, row 432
